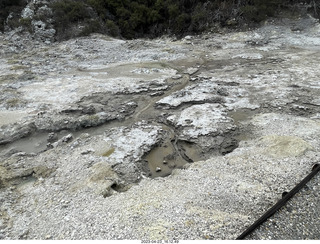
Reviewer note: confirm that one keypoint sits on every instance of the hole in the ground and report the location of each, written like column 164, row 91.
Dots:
column 119, row 187
column 166, row 157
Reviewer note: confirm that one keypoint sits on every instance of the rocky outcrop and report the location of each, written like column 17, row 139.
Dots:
column 207, row 125
column 36, row 18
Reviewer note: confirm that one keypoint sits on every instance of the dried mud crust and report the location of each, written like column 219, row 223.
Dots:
column 231, row 120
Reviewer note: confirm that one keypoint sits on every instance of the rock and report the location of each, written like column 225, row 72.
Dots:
column 124, row 147
column 48, row 237
column 252, row 56
column 207, row 125
column 42, row 32
column 45, row 11
column 158, row 169
column 201, row 92
column 87, row 151
column 201, row 120
column 191, row 71
column 23, row 233
column 42, row 29
column 67, row 138
column 27, row 13
column 52, row 137
column 223, row 91
column 176, row 77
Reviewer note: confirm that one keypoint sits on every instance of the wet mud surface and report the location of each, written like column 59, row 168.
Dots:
column 175, row 94
column 99, row 116
column 169, row 93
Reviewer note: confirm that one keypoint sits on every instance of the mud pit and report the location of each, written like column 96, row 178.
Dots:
column 100, row 120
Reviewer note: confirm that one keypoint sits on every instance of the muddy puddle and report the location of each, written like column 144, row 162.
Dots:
column 241, row 118
column 32, row 144
column 39, row 142
column 144, row 70
column 171, row 154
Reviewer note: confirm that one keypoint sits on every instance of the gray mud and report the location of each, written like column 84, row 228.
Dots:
column 190, row 138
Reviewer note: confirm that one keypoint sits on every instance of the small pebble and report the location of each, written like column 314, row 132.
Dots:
column 47, row 237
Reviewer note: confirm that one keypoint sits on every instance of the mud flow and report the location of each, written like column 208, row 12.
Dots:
column 172, row 152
